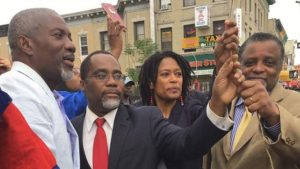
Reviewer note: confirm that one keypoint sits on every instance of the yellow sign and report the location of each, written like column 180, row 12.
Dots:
column 208, row 41
column 190, row 43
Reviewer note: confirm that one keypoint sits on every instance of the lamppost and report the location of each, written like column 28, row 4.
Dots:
column 196, row 62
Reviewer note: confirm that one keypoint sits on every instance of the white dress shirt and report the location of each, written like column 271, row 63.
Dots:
column 36, row 102
column 90, row 129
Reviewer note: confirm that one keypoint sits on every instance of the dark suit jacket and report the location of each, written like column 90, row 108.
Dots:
column 141, row 137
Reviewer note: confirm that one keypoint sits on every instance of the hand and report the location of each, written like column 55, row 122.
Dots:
column 257, row 99
column 227, row 44
column 225, row 85
column 5, row 65
column 115, row 38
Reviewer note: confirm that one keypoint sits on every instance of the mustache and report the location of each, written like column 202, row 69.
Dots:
column 112, row 91
column 70, row 57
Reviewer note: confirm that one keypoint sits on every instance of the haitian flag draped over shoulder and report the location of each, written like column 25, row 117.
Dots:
column 20, row 147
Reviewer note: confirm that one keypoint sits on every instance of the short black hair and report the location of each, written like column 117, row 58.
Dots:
column 84, row 68
column 261, row 37
column 149, row 70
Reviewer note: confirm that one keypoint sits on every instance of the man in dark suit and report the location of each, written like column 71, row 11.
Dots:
column 137, row 138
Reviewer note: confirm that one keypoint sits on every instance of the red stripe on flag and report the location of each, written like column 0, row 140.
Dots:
column 20, row 147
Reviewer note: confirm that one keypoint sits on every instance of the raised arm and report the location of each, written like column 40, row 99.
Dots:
column 115, row 38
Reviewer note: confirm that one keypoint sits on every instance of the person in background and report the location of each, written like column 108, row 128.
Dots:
column 5, row 65
column 164, row 82
column 75, row 102
column 124, row 136
column 266, row 116
column 43, row 53
column 128, row 90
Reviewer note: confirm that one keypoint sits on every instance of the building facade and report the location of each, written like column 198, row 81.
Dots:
column 187, row 27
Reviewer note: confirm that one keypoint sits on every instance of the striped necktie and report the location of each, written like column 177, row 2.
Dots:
column 242, row 117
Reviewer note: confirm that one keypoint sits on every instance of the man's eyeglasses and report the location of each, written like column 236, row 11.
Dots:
column 103, row 76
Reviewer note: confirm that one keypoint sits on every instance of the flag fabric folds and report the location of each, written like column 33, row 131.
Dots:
column 20, row 147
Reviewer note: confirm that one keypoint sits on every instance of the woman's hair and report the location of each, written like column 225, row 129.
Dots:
column 149, row 70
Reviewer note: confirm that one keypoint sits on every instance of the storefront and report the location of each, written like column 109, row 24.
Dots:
column 203, row 65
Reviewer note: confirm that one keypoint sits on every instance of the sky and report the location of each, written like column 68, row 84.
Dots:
column 287, row 11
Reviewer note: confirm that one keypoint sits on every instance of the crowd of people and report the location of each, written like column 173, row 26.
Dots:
column 86, row 118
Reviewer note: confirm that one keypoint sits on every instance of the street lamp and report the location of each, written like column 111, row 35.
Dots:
column 196, row 64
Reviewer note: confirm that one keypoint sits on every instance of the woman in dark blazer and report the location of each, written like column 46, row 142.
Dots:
column 164, row 82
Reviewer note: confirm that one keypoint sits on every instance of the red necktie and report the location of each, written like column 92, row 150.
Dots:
column 100, row 152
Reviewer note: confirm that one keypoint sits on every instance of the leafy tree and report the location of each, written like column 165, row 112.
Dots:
column 138, row 54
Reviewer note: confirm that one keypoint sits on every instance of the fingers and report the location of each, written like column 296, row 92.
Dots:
column 229, row 23
column 226, row 68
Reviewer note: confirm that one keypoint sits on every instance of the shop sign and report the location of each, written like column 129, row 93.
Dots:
column 201, row 16
column 190, row 43
column 208, row 41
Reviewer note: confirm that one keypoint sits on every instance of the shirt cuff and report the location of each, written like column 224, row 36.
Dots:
column 273, row 131
column 223, row 123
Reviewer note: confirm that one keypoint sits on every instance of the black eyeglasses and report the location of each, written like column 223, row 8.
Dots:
column 103, row 76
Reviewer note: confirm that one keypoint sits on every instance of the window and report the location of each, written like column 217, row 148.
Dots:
column 255, row 13
column 188, row 3
column 250, row 3
column 189, row 31
column 218, row 27
column 261, row 20
column 139, row 30
column 104, row 41
column 83, row 45
column 258, row 13
column 165, row 4
column 166, row 39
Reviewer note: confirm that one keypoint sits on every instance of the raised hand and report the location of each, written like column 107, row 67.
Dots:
column 225, row 85
column 227, row 44
column 115, row 38
column 257, row 99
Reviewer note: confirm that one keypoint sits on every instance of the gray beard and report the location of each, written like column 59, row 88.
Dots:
column 66, row 74
column 110, row 104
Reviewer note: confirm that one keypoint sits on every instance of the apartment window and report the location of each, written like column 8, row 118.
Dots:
column 139, row 30
column 188, row 3
column 261, row 20
column 245, row 5
column 218, row 27
column 189, row 31
column 104, row 41
column 165, row 4
column 166, row 39
column 83, row 45
column 250, row 3
column 218, row 0
column 255, row 13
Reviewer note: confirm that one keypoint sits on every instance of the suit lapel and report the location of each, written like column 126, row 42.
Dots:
column 120, row 130
column 78, row 125
column 251, row 129
column 277, row 95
